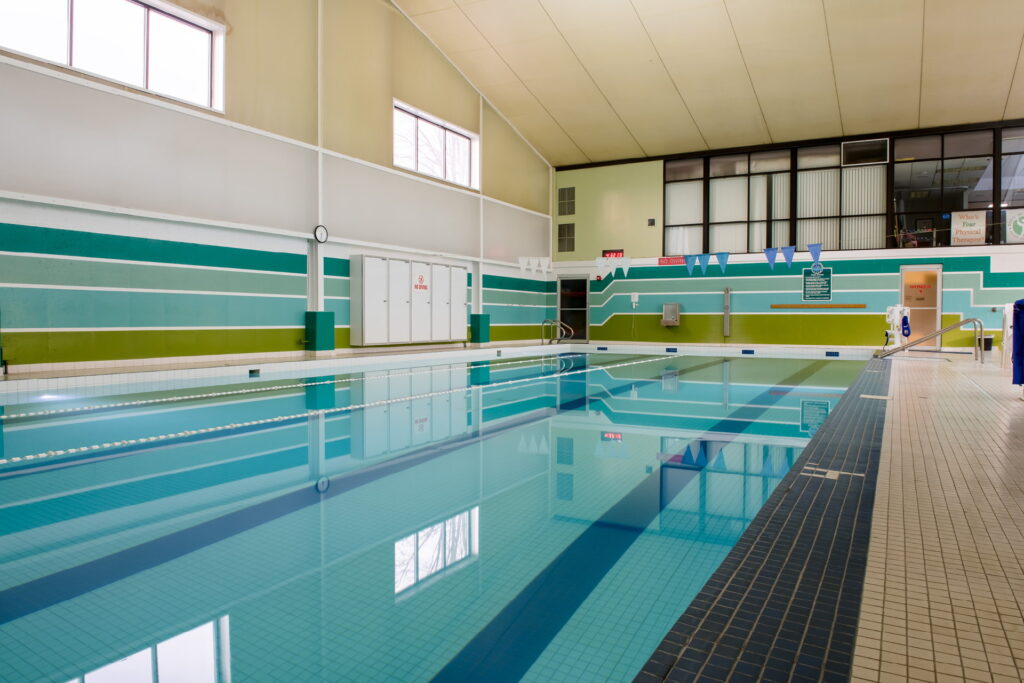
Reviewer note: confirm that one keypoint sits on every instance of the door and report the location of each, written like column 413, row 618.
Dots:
column 921, row 288
column 375, row 300
column 420, row 302
column 572, row 305
column 398, row 301
column 458, row 299
column 441, row 305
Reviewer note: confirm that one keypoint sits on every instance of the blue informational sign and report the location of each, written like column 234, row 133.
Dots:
column 812, row 415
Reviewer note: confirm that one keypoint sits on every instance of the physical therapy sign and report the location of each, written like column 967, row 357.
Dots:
column 968, row 227
column 1015, row 226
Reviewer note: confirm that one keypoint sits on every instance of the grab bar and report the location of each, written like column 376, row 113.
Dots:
column 979, row 354
column 559, row 331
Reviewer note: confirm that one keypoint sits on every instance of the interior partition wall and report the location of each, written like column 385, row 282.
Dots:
column 889, row 190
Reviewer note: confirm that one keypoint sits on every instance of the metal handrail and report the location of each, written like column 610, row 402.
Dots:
column 979, row 354
column 565, row 331
column 559, row 331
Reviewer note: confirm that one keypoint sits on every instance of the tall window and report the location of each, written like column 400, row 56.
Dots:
column 123, row 40
column 433, row 147
column 437, row 548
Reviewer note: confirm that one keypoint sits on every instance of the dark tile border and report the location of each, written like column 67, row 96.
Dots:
column 784, row 604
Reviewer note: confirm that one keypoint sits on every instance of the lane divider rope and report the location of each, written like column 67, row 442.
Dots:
column 251, row 390
column 308, row 413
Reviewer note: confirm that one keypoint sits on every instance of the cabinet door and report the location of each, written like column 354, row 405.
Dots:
column 399, row 300
column 440, row 405
column 458, row 299
column 400, row 417
column 420, row 302
column 441, row 306
column 375, row 300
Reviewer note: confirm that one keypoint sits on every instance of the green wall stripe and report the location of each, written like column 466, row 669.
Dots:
column 340, row 288
column 497, row 296
column 338, row 267
column 517, row 283
column 70, row 273
column 64, row 347
column 25, row 238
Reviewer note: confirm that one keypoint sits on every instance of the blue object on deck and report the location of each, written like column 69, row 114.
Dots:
column 1018, row 342
column 906, row 326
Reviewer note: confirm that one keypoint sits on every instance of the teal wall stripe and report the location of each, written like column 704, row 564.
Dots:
column 520, row 283
column 337, row 267
column 25, row 238
column 58, row 308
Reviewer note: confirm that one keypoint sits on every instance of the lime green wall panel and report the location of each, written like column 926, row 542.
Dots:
column 80, row 346
column 514, row 332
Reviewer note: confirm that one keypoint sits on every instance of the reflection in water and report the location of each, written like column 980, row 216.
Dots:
column 439, row 547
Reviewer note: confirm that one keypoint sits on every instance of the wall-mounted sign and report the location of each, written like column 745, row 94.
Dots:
column 671, row 260
column 611, row 436
column 817, row 286
column 968, row 227
column 1015, row 226
column 812, row 415
column 613, row 253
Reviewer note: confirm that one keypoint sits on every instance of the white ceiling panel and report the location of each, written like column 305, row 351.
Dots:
column 413, row 7
column 876, row 52
column 970, row 51
column 451, row 30
column 509, row 21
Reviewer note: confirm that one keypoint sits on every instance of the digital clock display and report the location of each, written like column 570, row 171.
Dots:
column 613, row 253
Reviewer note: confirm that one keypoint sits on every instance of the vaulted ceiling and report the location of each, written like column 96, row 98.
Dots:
column 594, row 80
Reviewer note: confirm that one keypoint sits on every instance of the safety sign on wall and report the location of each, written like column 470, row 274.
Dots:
column 812, row 415
column 817, row 286
column 1015, row 226
column 968, row 227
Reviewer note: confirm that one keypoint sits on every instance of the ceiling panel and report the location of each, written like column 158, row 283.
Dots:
column 785, row 48
column 413, row 7
column 509, row 21
column 1015, row 100
column 555, row 145
column 696, row 42
column 451, row 30
column 876, row 52
column 970, row 51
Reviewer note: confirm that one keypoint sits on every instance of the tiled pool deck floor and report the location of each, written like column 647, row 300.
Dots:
column 941, row 593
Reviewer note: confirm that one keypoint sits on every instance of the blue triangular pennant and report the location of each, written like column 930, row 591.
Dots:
column 815, row 250
column 704, row 260
column 691, row 261
column 771, row 253
column 723, row 258
column 788, row 252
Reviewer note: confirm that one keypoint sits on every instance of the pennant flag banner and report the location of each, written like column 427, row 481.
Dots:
column 704, row 260
column 771, row 253
column 787, row 253
column 723, row 258
column 691, row 261
column 815, row 250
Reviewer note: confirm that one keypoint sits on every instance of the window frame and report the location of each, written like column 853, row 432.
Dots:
column 472, row 161
column 215, row 33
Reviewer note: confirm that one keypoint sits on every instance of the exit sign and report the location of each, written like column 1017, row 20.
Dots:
column 613, row 253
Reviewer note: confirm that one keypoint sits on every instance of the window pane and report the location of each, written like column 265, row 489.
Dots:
column 1013, row 140
column 921, row 230
column 975, row 143
column 137, row 668
column 684, row 203
column 863, row 190
column 780, row 195
column 758, row 237
column 967, row 183
column 728, row 199
column 1013, row 180
column 456, row 544
column 405, row 563
column 430, row 552
column 405, row 139
column 430, row 154
column 456, row 158
column 863, row 232
column 780, row 234
column 734, row 164
column 684, row 169
column 823, row 231
column 816, row 157
column 35, row 27
column 921, row 147
column 866, row 152
column 917, row 186
column 179, row 59
column 189, row 657
column 817, row 193
column 681, row 241
column 731, row 237
column 758, row 198
column 109, row 39
column 777, row 160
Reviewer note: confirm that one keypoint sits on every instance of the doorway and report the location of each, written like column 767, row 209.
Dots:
column 573, row 302
column 921, row 292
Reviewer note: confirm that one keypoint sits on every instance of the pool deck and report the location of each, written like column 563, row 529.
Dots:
column 897, row 536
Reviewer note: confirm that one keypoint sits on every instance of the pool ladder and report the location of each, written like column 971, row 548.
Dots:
column 554, row 331
column 979, row 353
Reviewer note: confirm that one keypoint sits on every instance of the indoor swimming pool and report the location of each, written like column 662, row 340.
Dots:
column 537, row 518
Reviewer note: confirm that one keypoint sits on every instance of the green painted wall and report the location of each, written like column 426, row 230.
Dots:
column 613, row 204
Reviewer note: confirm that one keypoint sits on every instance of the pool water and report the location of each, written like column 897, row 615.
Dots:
column 542, row 518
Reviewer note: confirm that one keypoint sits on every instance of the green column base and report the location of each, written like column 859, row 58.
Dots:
column 480, row 327
column 319, row 331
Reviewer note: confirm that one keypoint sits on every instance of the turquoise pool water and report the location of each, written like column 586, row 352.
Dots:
column 544, row 518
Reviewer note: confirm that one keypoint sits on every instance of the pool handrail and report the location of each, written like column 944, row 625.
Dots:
column 979, row 353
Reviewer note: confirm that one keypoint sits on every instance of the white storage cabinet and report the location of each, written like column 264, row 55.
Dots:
column 403, row 301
